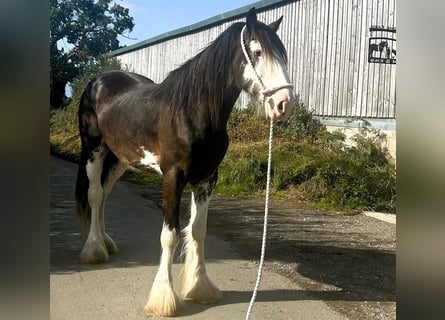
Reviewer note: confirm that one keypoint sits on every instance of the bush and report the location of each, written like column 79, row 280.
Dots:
column 309, row 160
column 302, row 125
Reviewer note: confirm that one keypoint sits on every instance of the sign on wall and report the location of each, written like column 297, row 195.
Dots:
column 382, row 45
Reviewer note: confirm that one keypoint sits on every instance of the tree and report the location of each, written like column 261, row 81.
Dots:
column 88, row 28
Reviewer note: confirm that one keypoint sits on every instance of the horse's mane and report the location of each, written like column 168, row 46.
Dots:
column 198, row 85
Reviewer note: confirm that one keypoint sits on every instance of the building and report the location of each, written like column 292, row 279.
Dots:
column 342, row 57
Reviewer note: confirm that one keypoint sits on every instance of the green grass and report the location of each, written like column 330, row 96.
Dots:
column 309, row 164
column 142, row 177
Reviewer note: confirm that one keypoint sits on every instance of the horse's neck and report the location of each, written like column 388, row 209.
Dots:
column 231, row 94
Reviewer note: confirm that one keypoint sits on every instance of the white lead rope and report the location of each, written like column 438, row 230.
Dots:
column 266, row 92
column 266, row 214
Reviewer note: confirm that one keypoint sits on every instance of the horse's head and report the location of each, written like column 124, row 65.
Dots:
column 264, row 67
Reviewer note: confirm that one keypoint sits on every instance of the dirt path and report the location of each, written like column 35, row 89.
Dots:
column 319, row 266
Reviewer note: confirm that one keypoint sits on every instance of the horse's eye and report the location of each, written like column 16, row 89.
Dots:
column 257, row 53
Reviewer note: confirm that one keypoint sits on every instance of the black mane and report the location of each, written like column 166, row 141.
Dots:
column 199, row 84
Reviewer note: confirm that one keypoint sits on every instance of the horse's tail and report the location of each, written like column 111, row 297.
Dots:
column 90, row 139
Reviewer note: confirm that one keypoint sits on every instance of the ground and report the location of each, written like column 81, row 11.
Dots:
column 348, row 261
column 318, row 265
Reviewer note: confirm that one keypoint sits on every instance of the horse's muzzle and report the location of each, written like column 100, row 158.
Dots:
column 280, row 105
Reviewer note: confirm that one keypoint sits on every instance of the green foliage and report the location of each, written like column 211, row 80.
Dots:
column 251, row 126
column 88, row 29
column 142, row 177
column 243, row 171
column 246, row 126
column 354, row 178
column 319, row 166
column 302, row 125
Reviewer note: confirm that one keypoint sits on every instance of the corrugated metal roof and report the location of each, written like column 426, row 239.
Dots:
column 220, row 18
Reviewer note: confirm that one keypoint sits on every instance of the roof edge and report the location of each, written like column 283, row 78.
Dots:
column 220, row 18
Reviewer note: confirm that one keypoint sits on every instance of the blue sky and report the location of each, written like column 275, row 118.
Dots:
column 152, row 18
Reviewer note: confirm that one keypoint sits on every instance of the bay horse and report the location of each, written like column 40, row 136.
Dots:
column 177, row 128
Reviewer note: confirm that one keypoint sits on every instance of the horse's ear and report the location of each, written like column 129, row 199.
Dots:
column 251, row 19
column 275, row 25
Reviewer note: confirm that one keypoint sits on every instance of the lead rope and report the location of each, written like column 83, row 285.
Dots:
column 266, row 214
column 266, row 92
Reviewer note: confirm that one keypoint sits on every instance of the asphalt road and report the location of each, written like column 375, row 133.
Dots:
column 119, row 288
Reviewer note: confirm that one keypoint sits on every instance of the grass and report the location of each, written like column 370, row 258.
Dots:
column 309, row 163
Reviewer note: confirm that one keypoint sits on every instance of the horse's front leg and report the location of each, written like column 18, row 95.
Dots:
column 196, row 285
column 162, row 299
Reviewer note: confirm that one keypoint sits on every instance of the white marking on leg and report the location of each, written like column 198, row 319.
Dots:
column 150, row 160
column 196, row 285
column 94, row 249
column 163, row 300
column 113, row 175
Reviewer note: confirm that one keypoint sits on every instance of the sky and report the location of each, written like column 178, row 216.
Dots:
column 152, row 18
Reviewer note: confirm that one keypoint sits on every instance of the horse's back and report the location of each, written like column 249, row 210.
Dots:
column 113, row 90
column 112, row 83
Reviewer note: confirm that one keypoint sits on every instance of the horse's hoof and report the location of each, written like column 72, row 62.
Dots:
column 201, row 290
column 110, row 244
column 163, row 301
column 94, row 252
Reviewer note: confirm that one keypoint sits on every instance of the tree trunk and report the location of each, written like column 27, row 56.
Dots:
column 57, row 94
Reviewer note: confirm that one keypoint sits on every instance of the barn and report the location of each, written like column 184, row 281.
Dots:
column 342, row 57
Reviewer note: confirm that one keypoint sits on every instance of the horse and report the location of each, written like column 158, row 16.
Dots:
column 177, row 128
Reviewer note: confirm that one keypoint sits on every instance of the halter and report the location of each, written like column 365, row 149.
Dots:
column 265, row 91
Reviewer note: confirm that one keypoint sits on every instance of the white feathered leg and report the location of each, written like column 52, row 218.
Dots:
column 163, row 300
column 94, row 249
column 196, row 285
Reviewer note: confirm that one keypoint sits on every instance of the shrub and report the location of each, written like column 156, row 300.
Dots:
column 308, row 159
column 302, row 125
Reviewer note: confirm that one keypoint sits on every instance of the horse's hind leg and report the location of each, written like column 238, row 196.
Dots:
column 112, row 170
column 94, row 249
column 196, row 285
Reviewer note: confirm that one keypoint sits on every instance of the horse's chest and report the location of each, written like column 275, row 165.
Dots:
column 207, row 156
